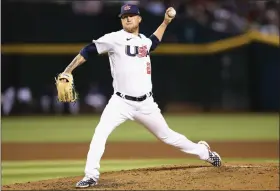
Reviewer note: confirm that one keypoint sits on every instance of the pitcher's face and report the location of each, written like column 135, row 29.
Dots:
column 130, row 22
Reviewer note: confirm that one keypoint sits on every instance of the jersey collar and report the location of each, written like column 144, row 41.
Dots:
column 130, row 35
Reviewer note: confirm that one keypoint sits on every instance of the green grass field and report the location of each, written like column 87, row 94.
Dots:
column 81, row 129
column 39, row 170
column 195, row 127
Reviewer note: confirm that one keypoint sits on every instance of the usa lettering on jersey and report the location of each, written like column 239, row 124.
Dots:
column 138, row 51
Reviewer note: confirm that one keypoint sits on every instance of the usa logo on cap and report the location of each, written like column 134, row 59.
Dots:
column 129, row 9
column 126, row 7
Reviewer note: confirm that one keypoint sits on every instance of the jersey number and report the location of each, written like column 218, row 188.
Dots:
column 149, row 69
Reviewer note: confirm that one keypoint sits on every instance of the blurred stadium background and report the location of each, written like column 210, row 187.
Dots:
column 217, row 56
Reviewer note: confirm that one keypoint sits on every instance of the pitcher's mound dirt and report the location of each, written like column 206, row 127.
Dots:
column 185, row 177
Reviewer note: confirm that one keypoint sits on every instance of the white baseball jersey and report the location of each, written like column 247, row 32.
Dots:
column 129, row 61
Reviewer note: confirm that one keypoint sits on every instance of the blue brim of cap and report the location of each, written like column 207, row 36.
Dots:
column 120, row 15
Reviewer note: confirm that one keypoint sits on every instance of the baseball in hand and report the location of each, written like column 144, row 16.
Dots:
column 171, row 13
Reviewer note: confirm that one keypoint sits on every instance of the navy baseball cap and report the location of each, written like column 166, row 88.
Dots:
column 129, row 9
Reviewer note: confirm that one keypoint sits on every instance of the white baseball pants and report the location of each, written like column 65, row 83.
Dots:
column 117, row 111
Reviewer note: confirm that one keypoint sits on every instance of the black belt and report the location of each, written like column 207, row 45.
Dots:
column 141, row 98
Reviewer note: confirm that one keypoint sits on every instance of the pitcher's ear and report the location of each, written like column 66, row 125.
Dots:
column 140, row 19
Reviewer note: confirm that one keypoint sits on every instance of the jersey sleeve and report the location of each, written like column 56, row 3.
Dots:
column 155, row 42
column 149, row 44
column 105, row 43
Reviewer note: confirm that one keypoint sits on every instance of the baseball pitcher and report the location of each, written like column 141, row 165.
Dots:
column 129, row 56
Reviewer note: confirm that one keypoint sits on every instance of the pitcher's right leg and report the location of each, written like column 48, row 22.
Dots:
column 115, row 113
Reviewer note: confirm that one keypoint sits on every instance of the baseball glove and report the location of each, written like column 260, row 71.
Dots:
column 65, row 88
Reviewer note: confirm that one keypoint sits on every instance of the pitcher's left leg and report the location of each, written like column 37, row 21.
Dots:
column 157, row 125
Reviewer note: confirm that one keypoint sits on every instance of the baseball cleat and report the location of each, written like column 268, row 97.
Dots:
column 214, row 158
column 86, row 182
